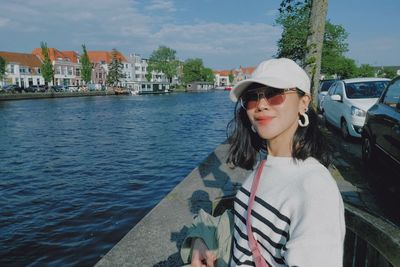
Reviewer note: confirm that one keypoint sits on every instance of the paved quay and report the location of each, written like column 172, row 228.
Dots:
column 156, row 239
column 22, row 96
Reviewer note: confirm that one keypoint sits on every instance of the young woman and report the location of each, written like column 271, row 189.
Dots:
column 297, row 218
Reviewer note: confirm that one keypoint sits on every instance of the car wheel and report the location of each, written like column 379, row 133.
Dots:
column 344, row 130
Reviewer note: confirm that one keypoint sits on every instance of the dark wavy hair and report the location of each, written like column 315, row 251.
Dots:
column 245, row 145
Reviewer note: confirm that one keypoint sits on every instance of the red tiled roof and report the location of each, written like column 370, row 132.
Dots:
column 23, row 59
column 55, row 54
column 72, row 55
column 223, row 72
column 247, row 70
column 104, row 56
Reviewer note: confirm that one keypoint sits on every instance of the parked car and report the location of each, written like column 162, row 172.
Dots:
column 59, row 88
column 347, row 102
column 32, row 89
column 12, row 88
column 324, row 86
column 381, row 132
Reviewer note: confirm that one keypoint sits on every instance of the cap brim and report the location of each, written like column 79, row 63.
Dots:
column 239, row 88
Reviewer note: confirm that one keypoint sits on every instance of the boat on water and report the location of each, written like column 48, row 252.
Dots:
column 228, row 88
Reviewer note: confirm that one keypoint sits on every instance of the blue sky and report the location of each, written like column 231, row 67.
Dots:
column 226, row 34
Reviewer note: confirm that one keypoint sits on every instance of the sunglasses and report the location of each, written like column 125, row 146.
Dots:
column 273, row 96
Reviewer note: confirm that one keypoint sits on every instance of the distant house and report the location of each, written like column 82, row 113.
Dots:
column 242, row 73
column 66, row 65
column 22, row 69
column 222, row 78
column 101, row 60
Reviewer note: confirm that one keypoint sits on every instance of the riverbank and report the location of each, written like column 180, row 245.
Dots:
column 22, row 96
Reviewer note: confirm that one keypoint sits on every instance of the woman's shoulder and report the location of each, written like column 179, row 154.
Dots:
column 315, row 176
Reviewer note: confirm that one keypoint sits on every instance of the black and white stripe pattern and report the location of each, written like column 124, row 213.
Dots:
column 270, row 229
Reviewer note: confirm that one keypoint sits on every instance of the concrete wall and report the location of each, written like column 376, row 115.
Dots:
column 156, row 239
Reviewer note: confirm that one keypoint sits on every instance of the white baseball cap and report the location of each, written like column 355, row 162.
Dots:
column 282, row 73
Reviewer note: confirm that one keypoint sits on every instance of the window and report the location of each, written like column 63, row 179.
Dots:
column 78, row 72
column 11, row 69
column 392, row 95
column 70, row 71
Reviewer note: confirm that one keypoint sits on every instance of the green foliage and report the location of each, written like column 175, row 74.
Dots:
column 115, row 69
column 387, row 72
column 3, row 65
column 231, row 77
column 47, row 67
column 294, row 20
column 86, row 66
column 208, row 75
column 365, row 70
column 164, row 60
column 193, row 70
column 345, row 68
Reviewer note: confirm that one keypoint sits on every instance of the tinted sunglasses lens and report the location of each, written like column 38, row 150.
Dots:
column 250, row 100
column 274, row 97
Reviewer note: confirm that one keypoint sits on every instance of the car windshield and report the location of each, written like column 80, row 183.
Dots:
column 326, row 84
column 371, row 89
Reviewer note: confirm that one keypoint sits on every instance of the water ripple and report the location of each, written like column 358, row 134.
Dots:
column 76, row 174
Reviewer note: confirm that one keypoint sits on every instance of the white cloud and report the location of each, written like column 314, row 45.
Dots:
column 161, row 5
column 123, row 24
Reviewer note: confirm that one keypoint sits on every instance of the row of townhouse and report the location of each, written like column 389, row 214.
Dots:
column 23, row 69
column 229, row 77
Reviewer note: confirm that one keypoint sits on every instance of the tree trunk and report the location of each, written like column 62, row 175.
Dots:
column 315, row 39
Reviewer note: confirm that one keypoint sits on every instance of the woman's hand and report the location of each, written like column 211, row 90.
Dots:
column 201, row 256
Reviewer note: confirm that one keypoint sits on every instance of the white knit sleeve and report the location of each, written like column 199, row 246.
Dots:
column 317, row 227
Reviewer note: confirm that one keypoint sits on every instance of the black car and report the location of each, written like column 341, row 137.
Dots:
column 381, row 131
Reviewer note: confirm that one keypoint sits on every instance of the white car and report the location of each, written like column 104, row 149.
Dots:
column 347, row 102
column 324, row 86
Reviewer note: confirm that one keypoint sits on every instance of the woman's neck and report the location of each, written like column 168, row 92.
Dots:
column 281, row 145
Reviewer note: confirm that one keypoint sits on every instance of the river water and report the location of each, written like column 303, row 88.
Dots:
column 76, row 174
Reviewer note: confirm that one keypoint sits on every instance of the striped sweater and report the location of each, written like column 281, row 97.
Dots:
column 297, row 217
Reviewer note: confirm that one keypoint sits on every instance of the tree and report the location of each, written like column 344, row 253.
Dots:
column 164, row 60
column 47, row 67
column 86, row 66
column 208, row 75
column 115, row 69
column 193, row 70
column 387, row 72
column 365, row 70
column 294, row 19
column 315, row 40
column 231, row 77
column 334, row 48
column 3, row 65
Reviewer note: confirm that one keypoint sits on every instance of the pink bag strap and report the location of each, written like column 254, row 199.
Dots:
column 257, row 257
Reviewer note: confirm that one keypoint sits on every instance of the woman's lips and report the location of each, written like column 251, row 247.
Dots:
column 263, row 119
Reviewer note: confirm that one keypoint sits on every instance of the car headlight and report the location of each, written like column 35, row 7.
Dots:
column 358, row 112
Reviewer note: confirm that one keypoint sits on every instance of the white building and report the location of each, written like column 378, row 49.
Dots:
column 22, row 69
